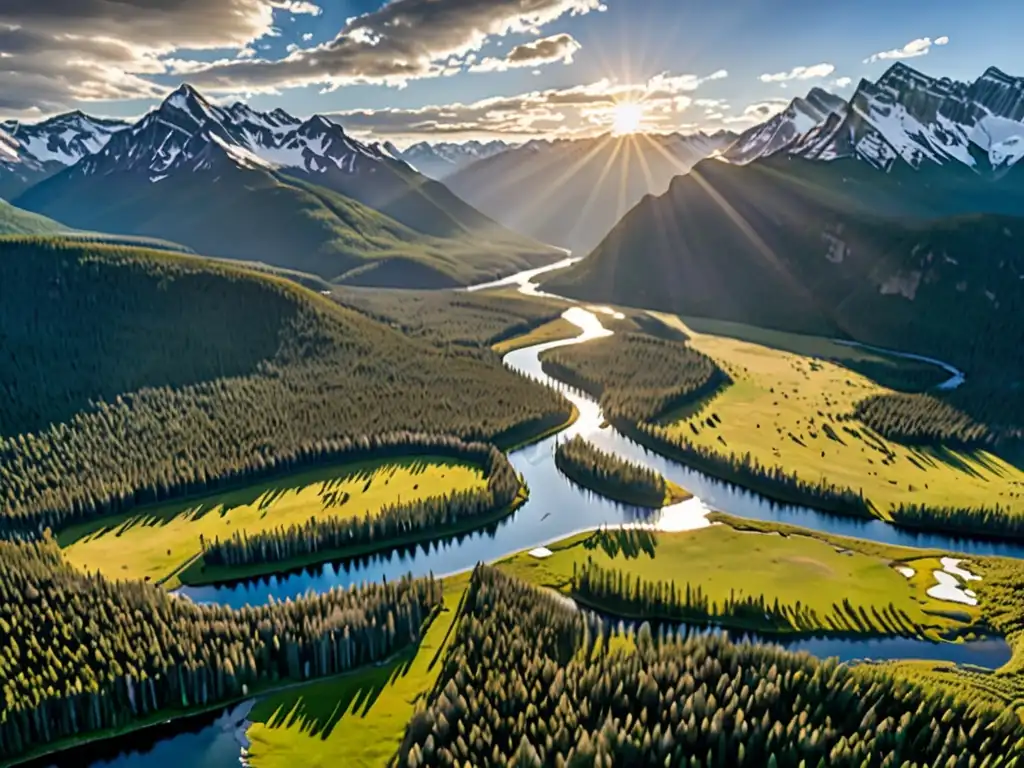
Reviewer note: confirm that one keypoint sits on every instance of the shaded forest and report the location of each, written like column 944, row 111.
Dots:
column 423, row 517
column 925, row 420
column 634, row 376
column 132, row 376
column 610, row 475
column 531, row 682
column 80, row 654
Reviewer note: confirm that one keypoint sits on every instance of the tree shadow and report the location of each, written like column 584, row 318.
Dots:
column 629, row 543
column 317, row 708
column 262, row 496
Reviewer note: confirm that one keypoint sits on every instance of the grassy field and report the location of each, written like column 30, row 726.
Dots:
column 556, row 330
column 784, row 407
column 156, row 543
column 797, row 570
column 358, row 720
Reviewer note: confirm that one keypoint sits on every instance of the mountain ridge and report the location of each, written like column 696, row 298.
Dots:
column 298, row 194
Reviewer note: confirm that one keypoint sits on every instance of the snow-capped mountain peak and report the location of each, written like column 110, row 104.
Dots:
column 908, row 117
column 441, row 159
column 188, row 132
column 786, row 128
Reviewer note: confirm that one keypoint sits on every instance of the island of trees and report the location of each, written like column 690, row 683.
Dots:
column 80, row 654
column 324, row 538
column 533, row 682
column 614, row 477
column 636, row 377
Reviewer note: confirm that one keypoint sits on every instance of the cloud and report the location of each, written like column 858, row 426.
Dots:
column 842, row 82
column 577, row 111
column 799, row 73
column 401, row 41
column 60, row 51
column 919, row 47
column 546, row 50
column 759, row 111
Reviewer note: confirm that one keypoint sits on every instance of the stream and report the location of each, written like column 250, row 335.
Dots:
column 557, row 508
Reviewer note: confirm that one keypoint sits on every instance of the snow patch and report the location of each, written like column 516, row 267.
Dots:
column 540, row 553
column 948, row 587
column 905, row 571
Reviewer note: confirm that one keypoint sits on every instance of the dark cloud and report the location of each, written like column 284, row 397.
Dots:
column 56, row 52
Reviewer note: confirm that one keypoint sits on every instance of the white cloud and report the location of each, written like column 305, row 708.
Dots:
column 759, row 111
column 400, row 41
column 842, row 82
column 582, row 110
column 799, row 73
column 546, row 50
column 919, row 47
column 307, row 37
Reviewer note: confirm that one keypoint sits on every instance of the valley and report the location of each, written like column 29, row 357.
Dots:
column 320, row 448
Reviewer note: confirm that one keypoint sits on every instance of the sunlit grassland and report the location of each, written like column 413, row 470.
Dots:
column 784, row 408
column 556, row 330
column 157, row 542
column 358, row 720
column 815, row 580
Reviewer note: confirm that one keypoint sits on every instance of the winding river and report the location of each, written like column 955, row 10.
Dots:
column 556, row 509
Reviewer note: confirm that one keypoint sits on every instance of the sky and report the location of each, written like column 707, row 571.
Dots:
column 453, row 70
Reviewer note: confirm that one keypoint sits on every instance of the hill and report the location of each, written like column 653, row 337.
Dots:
column 14, row 221
column 268, row 187
column 570, row 192
column 134, row 375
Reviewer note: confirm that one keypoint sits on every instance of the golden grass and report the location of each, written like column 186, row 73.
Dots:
column 156, row 542
column 783, row 409
column 556, row 330
column 724, row 562
column 358, row 720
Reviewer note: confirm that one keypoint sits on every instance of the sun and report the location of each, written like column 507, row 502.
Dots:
column 626, row 118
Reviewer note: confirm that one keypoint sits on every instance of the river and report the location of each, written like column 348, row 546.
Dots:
column 556, row 508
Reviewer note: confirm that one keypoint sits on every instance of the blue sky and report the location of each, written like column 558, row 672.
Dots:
column 418, row 81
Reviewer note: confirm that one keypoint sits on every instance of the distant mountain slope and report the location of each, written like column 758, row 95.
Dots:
column 14, row 221
column 29, row 152
column 241, row 184
column 782, row 130
column 571, row 192
column 760, row 245
column 441, row 159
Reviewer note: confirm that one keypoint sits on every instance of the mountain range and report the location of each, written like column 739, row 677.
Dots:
column 570, row 192
column 441, row 159
column 905, row 119
column 894, row 218
column 234, row 182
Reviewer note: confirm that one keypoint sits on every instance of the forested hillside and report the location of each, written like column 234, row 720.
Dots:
column 132, row 376
column 671, row 702
column 79, row 654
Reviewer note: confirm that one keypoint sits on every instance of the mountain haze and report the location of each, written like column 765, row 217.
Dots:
column 571, row 192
